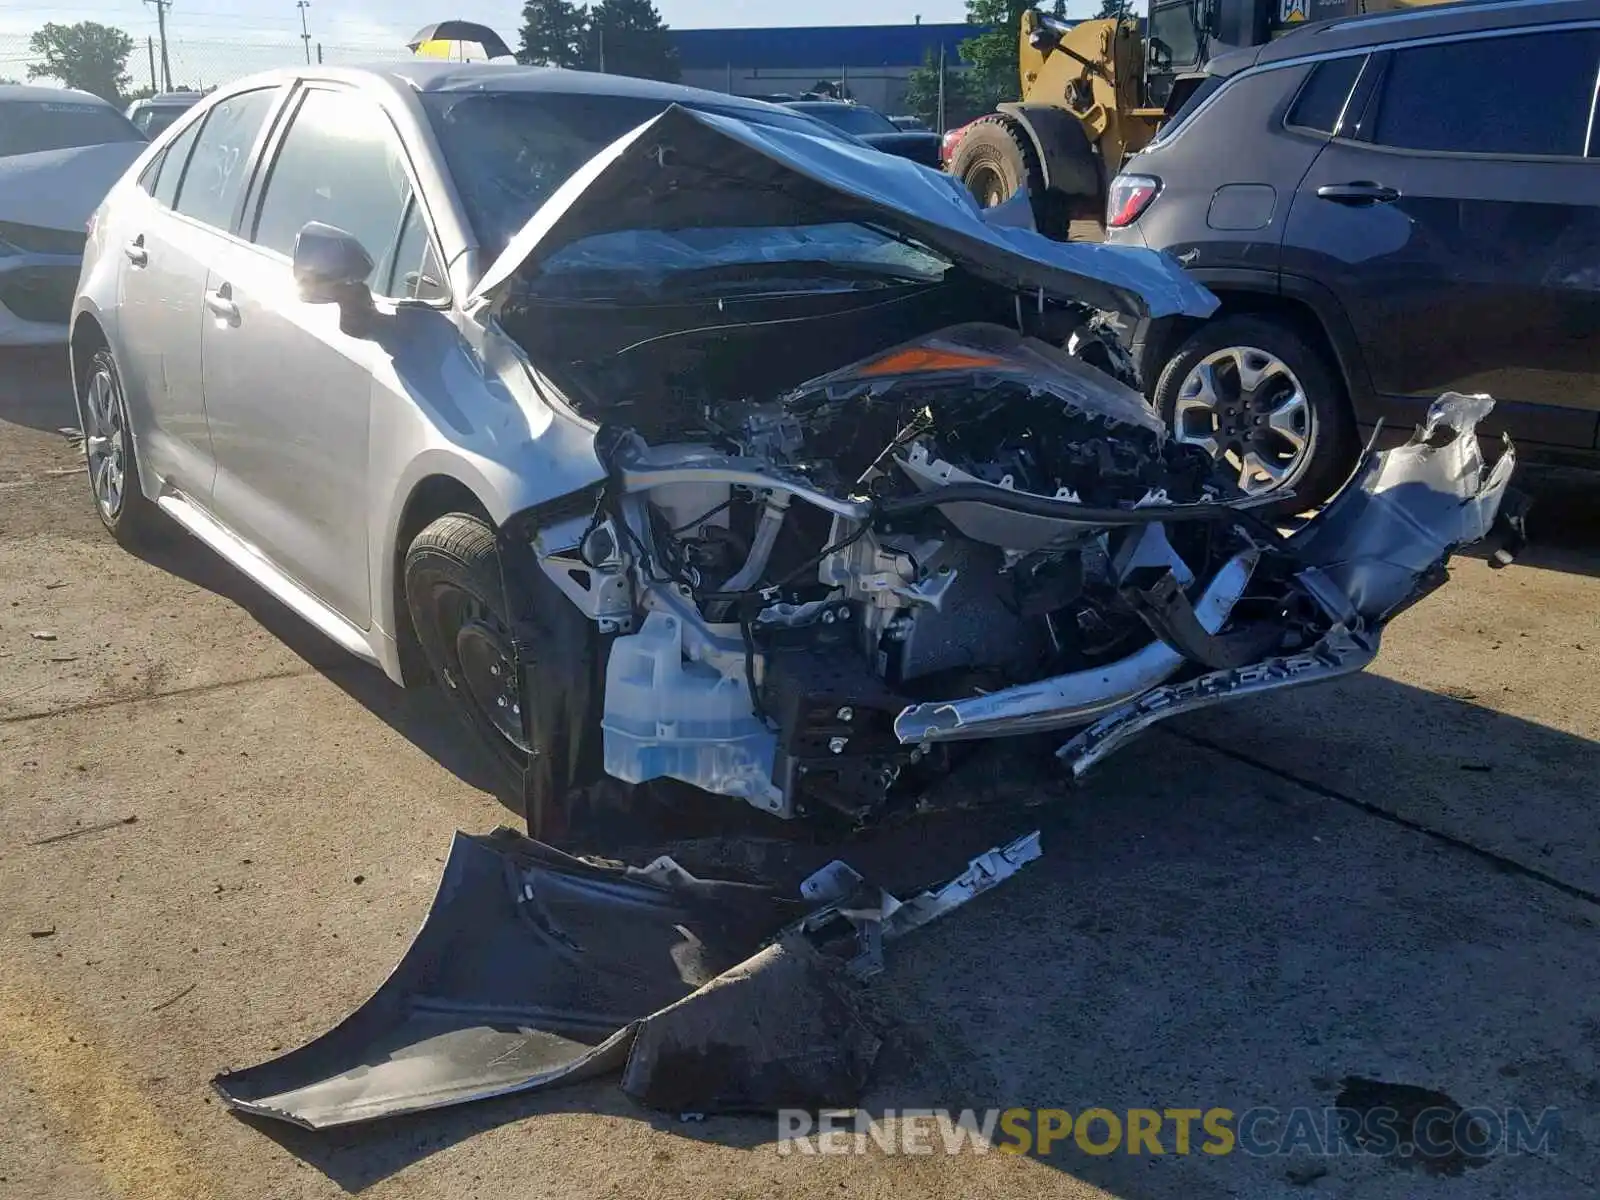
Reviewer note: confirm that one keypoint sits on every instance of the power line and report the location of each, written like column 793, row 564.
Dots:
column 305, row 34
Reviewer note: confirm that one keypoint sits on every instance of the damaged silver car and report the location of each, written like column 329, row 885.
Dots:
column 680, row 439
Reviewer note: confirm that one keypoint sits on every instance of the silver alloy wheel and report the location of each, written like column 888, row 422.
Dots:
column 1246, row 407
column 103, row 442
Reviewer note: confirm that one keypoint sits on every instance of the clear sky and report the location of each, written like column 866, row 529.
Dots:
column 219, row 38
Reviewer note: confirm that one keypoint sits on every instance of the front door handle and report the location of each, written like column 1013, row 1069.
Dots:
column 1360, row 193
column 219, row 302
column 136, row 252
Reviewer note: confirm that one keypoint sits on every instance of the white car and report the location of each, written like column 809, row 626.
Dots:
column 60, row 152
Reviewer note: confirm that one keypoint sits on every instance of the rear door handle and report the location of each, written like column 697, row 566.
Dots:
column 220, row 304
column 1358, row 193
column 136, row 252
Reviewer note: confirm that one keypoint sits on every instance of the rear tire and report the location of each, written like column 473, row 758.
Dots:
column 110, row 455
column 1299, row 396
column 456, row 596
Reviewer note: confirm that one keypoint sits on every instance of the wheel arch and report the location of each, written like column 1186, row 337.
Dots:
column 1068, row 158
column 431, row 497
column 1306, row 306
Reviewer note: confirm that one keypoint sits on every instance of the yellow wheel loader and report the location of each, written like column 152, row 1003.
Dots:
column 1095, row 92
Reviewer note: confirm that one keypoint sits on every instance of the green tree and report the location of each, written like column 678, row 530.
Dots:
column 961, row 99
column 993, row 53
column 627, row 37
column 87, row 56
column 554, row 33
column 1116, row 9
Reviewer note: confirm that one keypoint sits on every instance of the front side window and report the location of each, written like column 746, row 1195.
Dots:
column 1322, row 98
column 340, row 164
column 35, row 126
column 416, row 273
column 173, row 160
column 1527, row 93
column 215, row 179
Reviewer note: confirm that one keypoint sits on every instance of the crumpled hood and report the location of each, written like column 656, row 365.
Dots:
column 689, row 168
column 60, row 189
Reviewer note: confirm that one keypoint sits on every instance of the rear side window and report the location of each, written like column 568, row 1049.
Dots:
column 1208, row 88
column 1527, row 94
column 173, row 161
column 340, row 164
column 1324, row 94
column 216, row 176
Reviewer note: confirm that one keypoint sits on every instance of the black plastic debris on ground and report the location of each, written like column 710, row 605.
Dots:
column 534, row 968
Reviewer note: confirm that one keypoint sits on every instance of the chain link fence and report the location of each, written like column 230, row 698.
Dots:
column 201, row 63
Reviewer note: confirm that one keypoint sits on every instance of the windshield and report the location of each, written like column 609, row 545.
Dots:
column 851, row 119
column 839, row 256
column 508, row 151
column 34, row 126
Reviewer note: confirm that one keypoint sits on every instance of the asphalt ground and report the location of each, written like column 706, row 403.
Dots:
column 1320, row 899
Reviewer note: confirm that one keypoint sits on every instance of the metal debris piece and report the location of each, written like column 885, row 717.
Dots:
column 863, row 916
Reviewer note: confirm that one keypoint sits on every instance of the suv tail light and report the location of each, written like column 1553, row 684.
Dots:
column 1127, row 197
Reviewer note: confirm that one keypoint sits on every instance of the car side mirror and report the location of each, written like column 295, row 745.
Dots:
column 332, row 267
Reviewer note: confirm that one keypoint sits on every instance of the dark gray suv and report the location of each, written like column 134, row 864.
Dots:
column 1389, row 207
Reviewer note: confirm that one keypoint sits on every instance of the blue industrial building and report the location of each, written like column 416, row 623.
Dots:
column 873, row 60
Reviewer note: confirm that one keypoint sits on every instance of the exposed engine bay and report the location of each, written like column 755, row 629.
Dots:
column 810, row 596
column 873, row 482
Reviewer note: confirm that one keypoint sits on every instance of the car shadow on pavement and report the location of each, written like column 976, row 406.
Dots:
column 36, row 388
column 422, row 715
column 1254, row 909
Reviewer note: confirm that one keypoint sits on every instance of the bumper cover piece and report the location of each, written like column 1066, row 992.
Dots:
column 535, row 968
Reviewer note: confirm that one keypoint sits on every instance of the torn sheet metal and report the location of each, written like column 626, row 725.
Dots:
column 1407, row 509
column 1382, row 544
column 531, row 968
column 688, row 168
column 854, row 909
column 1340, row 652
column 535, row 968
column 784, row 1029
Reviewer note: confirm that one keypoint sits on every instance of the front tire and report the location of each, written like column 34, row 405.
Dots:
column 1265, row 402
column 109, row 454
column 456, row 597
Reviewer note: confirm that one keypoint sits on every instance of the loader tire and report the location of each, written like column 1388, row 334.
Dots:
column 995, row 159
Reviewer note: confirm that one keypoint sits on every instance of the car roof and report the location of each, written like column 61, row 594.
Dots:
column 170, row 99
column 1464, row 16
column 44, row 95
column 430, row 76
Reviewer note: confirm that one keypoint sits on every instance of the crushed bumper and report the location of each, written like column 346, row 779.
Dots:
column 1381, row 545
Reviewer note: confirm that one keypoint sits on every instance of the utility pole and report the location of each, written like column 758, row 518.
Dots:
column 161, row 28
column 150, row 48
column 305, row 33
column 600, row 33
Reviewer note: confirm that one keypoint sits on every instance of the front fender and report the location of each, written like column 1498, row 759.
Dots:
column 1068, row 158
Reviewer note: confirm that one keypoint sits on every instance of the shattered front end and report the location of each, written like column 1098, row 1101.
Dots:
column 872, row 489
